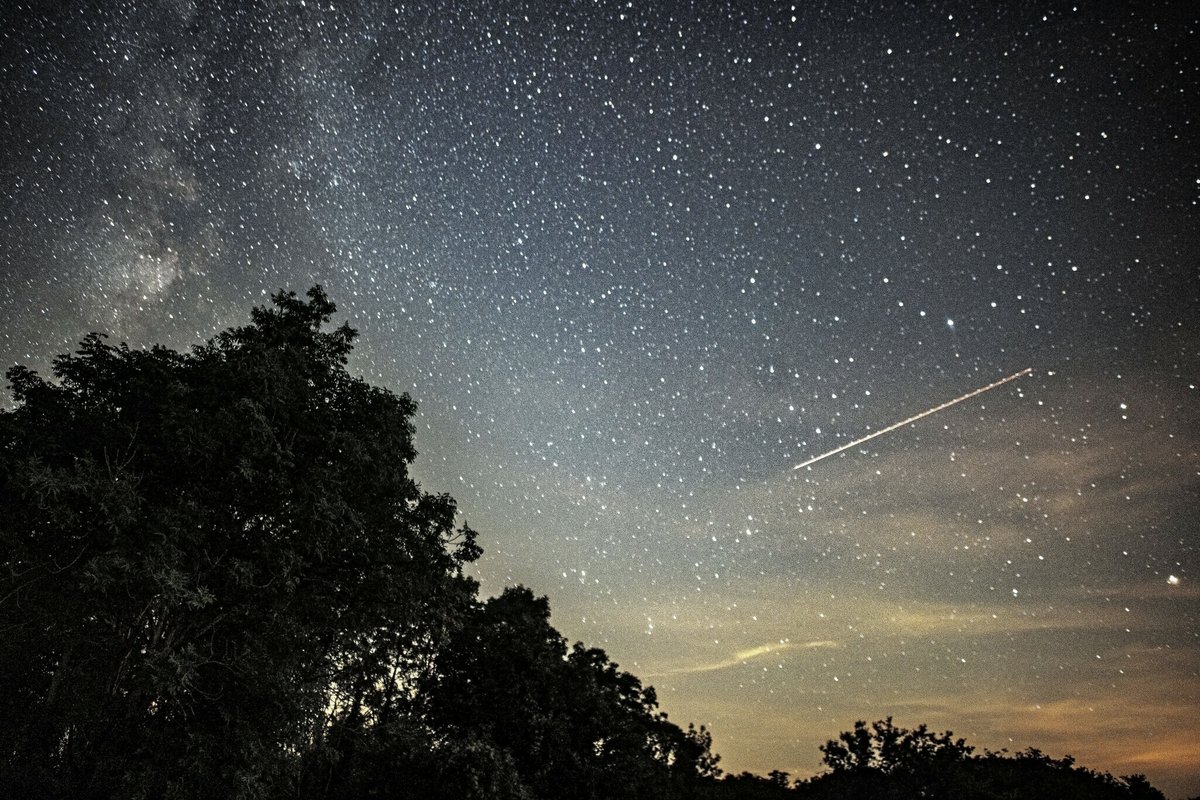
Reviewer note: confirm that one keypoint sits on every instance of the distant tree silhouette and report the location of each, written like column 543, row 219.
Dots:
column 883, row 760
column 748, row 786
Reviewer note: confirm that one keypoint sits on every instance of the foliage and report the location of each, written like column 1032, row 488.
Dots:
column 889, row 749
column 886, row 761
column 209, row 556
column 575, row 725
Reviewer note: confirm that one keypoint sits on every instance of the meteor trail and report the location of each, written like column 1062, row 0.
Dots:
column 915, row 417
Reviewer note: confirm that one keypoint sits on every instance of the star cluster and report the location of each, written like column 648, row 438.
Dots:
column 637, row 260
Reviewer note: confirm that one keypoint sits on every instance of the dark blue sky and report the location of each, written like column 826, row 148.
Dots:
column 637, row 260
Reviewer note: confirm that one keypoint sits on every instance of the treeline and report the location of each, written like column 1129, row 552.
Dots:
column 218, row 579
column 883, row 761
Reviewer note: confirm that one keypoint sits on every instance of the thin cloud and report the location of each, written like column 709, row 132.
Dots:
column 745, row 656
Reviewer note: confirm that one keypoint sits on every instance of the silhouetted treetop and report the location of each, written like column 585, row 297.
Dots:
column 882, row 761
column 204, row 552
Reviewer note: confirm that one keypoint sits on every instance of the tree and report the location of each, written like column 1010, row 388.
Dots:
column 573, row 723
column 884, row 761
column 890, row 749
column 209, row 559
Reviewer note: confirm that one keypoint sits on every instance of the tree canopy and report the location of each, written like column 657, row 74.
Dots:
column 205, row 552
column 882, row 761
column 218, row 579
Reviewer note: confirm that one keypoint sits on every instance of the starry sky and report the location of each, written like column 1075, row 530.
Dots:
column 637, row 260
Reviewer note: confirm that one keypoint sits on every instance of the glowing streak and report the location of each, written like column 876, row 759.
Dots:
column 916, row 417
column 742, row 656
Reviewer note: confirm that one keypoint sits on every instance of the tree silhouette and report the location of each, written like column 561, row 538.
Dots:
column 882, row 760
column 208, row 555
column 575, row 725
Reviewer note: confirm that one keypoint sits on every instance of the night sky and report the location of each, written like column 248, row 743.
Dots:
column 635, row 261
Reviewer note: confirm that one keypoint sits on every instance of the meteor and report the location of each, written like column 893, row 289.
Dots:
column 915, row 417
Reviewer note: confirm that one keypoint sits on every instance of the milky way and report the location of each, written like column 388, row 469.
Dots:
column 636, row 260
